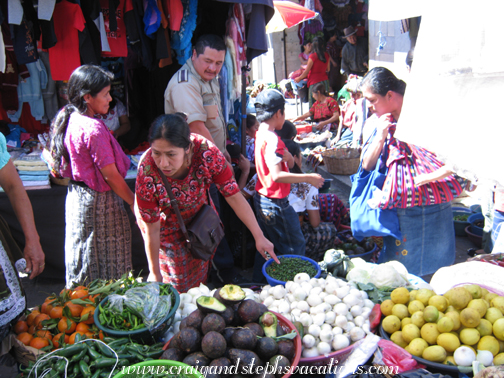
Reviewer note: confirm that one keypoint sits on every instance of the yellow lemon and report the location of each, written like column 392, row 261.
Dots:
column 469, row 336
column 417, row 319
column 429, row 332
column 493, row 314
column 386, row 307
column 397, row 338
column 400, row 295
column 445, row 324
column 391, row 324
column 415, row 306
column 416, row 347
column 400, row 310
column 489, row 343
column 470, row 317
column 448, row 341
column 479, row 305
column 410, row 332
column 434, row 353
column 438, row 301
column 485, row 328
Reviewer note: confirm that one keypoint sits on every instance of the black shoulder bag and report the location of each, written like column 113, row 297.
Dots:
column 204, row 233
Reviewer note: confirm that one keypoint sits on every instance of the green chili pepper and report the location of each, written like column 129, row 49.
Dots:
column 103, row 363
column 84, row 368
column 106, row 351
column 70, row 350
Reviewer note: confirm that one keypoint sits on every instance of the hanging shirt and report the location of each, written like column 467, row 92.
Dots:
column 116, row 39
column 64, row 56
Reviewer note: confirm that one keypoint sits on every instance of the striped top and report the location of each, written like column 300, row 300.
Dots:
column 404, row 162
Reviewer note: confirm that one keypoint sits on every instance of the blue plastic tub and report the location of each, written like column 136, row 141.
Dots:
column 475, row 229
column 274, row 282
column 475, row 208
column 460, row 225
column 367, row 255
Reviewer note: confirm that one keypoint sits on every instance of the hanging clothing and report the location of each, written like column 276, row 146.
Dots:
column 139, row 42
column 29, row 90
column 89, row 38
column 175, row 12
column 49, row 93
column 152, row 18
column 9, row 81
column 65, row 56
column 116, row 39
column 163, row 45
column 181, row 40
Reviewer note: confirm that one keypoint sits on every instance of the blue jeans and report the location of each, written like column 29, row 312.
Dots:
column 280, row 225
column 428, row 239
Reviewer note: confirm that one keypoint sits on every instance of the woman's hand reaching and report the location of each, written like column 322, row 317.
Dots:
column 315, row 179
column 155, row 277
column 266, row 249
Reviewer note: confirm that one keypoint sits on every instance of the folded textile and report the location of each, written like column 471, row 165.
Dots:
column 33, row 178
column 36, row 183
column 44, row 172
column 36, row 168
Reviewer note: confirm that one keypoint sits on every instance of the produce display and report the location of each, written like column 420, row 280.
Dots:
column 463, row 325
column 92, row 358
column 136, row 306
column 227, row 329
column 330, row 313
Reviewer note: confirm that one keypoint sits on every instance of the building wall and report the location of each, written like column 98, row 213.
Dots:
column 393, row 54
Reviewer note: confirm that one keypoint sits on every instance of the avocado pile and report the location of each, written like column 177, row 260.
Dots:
column 353, row 247
column 228, row 330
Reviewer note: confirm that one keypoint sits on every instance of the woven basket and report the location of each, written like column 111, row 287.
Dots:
column 342, row 161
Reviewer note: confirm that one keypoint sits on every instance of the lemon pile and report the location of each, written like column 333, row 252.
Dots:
column 433, row 326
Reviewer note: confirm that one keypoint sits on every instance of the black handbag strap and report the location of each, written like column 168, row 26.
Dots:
column 174, row 204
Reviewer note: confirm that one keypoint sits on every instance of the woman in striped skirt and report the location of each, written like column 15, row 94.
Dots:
column 98, row 234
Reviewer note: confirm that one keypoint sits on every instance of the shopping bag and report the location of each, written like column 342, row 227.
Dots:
column 364, row 220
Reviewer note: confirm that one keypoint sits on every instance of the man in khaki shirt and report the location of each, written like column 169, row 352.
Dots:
column 194, row 90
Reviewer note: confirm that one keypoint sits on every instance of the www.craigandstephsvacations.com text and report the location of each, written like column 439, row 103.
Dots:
column 177, row 371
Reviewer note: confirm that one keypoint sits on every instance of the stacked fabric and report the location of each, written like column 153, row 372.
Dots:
column 33, row 170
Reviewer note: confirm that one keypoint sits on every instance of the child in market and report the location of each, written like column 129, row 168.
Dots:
column 275, row 216
column 251, row 130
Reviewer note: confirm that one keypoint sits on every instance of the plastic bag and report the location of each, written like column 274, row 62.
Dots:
column 145, row 302
column 394, row 356
column 361, row 352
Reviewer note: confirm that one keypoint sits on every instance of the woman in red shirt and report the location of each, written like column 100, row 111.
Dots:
column 191, row 163
column 317, row 67
column 325, row 111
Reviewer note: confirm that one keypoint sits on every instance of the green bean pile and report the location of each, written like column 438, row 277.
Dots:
column 289, row 267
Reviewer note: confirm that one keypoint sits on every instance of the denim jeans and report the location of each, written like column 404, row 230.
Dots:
column 280, row 225
column 428, row 239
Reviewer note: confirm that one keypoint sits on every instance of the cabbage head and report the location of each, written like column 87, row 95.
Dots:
column 385, row 275
column 358, row 275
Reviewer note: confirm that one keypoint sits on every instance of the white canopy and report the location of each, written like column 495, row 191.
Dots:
column 453, row 102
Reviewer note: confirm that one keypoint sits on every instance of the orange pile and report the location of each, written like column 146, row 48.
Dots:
column 58, row 320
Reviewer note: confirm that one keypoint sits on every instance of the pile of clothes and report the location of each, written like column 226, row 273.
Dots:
column 32, row 170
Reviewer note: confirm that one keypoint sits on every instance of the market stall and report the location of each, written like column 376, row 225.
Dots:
column 331, row 318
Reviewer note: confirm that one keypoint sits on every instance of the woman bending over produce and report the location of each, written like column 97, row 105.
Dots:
column 97, row 232
column 191, row 163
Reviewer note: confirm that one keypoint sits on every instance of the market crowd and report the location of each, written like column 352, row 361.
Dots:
column 189, row 165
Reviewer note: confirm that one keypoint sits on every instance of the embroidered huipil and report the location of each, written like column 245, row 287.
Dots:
column 208, row 166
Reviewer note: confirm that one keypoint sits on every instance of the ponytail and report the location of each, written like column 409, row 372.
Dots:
column 319, row 47
column 381, row 80
column 58, row 132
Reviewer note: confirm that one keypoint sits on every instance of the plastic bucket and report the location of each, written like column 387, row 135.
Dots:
column 274, row 282
column 473, row 228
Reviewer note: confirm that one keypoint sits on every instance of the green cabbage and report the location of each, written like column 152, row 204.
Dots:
column 385, row 275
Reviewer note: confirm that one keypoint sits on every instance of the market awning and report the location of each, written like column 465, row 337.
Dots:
column 453, row 99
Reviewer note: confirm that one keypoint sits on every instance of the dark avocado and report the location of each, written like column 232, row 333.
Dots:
column 173, row 354
column 223, row 365
column 281, row 365
column 248, row 311
column 210, row 305
column 256, row 328
column 213, row 345
column 228, row 315
column 244, row 338
column 212, row 322
column 194, row 319
column 266, row 348
column 189, row 340
column 245, row 359
column 196, row 359
column 228, row 333
column 286, row 348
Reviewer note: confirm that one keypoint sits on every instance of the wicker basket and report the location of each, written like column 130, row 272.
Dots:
column 342, row 161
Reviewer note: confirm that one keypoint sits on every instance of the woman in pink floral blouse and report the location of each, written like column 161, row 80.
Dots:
column 97, row 231
column 191, row 163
